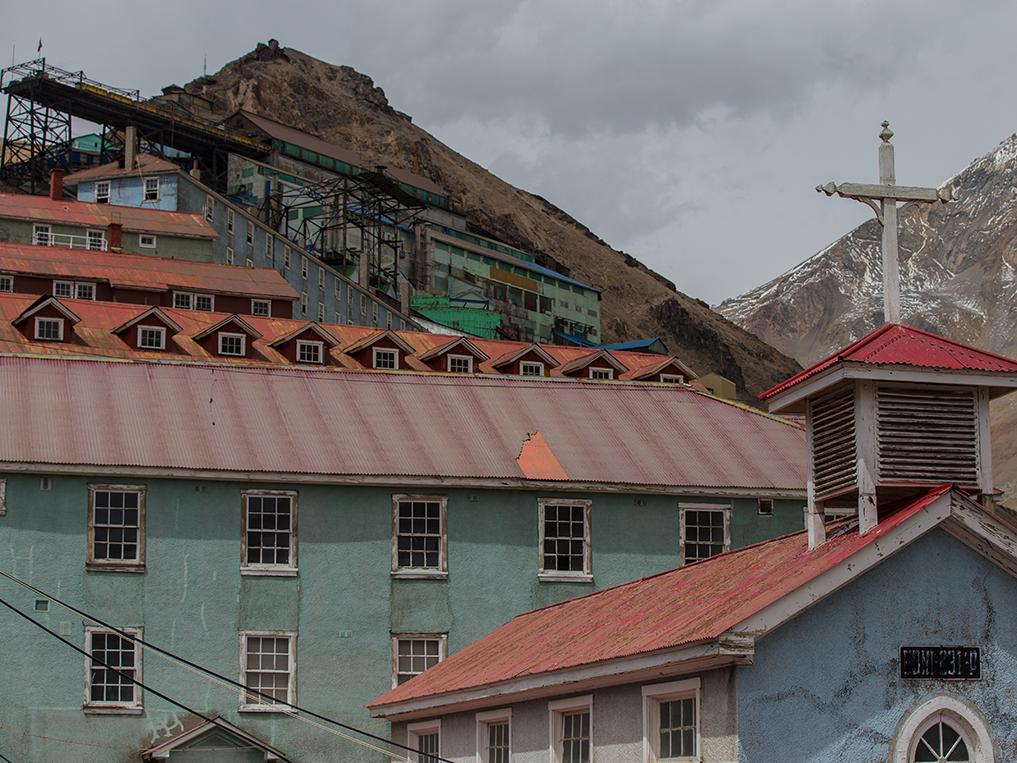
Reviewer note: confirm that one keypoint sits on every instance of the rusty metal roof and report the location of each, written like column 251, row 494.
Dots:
column 340, row 424
column 688, row 605
column 143, row 272
column 147, row 164
column 895, row 345
column 136, row 219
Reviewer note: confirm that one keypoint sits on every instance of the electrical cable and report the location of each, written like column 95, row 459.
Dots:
column 210, row 718
column 194, row 667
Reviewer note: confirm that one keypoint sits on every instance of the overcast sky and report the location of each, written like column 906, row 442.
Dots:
column 690, row 134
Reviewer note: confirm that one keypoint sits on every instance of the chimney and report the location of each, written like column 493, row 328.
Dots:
column 404, row 297
column 56, row 184
column 363, row 276
column 130, row 147
column 115, row 237
column 195, row 170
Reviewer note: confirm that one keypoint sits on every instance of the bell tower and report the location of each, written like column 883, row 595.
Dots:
column 889, row 416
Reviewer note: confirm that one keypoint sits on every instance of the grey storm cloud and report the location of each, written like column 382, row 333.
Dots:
column 690, row 134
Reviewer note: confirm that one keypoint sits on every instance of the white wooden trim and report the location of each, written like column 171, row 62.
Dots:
column 601, row 370
column 533, row 364
column 441, row 638
column 115, row 565
column 422, row 728
column 559, row 576
column 683, row 506
column 143, row 236
column 266, row 302
column 40, row 319
column 652, row 695
column 555, row 711
column 469, row 362
column 160, row 330
column 229, row 334
column 490, row 718
column 310, row 343
column 291, row 688
column 113, row 708
column 958, row 714
column 374, row 357
column 247, row 568
column 421, row 572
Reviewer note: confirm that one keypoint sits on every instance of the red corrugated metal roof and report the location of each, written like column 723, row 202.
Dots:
column 158, row 221
column 895, row 345
column 688, row 605
column 337, row 423
column 139, row 271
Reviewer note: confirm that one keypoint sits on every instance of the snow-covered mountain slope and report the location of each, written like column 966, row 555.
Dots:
column 958, row 272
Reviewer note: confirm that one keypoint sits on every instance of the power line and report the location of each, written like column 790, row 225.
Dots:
column 211, row 719
column 218, row 676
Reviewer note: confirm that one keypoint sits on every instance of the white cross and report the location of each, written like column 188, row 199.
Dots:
column 888, row 193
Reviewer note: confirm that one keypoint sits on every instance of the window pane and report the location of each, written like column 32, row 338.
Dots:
column 415, row 655
column 704, row 534
column 677, row 728
column 418, row 531
column 115, row 530
column 268, row 668
column 564, row 538
column 113, row 684
column 274, row 515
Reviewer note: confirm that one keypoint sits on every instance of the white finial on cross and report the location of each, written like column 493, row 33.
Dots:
column 888, row 193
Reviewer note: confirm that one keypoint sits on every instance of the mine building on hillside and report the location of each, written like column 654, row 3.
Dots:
column 889, row 634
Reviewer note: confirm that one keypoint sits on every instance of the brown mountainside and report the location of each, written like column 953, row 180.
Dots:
column 341, row 105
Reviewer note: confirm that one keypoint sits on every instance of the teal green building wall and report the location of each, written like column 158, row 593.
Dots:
column 344, row 603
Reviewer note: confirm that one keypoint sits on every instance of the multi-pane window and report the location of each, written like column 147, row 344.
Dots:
column 564, row 537
column 151, row 338
column 112, row 667
column 270, row 250
column 41, row 235
column 147, row 241
column 102, row 192
column 385, row 358
column 303, row 267
column 230, row 258
column 672, row 379
column 321, row 313
column 116, row 526
column 183, row 300
column 63, row 289
column 269, row 667
column 602, row 373
column 764, row 506
column 321, row 277
column 704, row 531
column 84, row 290
column 269, row 531
column 494, row 742
column 230, row 218
column 460, row 364
column 415, row 653
column 261, row 308
column 51, row 329
column 232, row 344
column 575, row 747
column 338, row 290
column 204, row 302
column 425, row 738
column 309, row 352
column 286, row 257
column 363, row 305
column 6, row 283
column 209, row 208
column 152, row 189
column 419, row 529
column 671, row 720
column 95, row 240
column 529, row 368
column 250, row 233
column 374, row 313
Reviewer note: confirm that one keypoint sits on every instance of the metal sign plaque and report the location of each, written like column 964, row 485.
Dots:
column 950, row 663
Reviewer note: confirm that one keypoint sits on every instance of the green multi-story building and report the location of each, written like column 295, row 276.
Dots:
column 323, row 536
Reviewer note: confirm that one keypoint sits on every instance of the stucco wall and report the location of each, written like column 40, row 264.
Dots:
column 618, row 725
column 829, row 679
column 344, row 603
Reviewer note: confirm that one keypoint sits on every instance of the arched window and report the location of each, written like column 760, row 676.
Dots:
column 944, row 730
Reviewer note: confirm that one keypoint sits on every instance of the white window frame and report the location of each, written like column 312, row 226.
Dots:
column 533, row 365
column 6, row 283
column 556, row 711
column 721, row 507
column 117, row 565
column 285, row 570
column 266, row 304
column 441, row 571
column 560, row 576
column 211, row 303
column 230, row 257
column 160, row 330
column 653, row 695
column 42, row 235
column 363, row 306
column 321, row 277
column 469, row 363
column 230, row 219
column 486, row 720
column 41, row 319
column 303, row 267
column 270, row 249
column 88, row 286
column 321, row 313
column 209, row 208
column 338, row 290
column 103, row 191
column 374, row 358
column 672, row 379
column 760, row 502
column 305, row 343
column 92, row 234
column 248, row 263
column 249, row 236
column 303, row 302
column 441, row 638
column 90, row 706
column 144, row 188
column 183, row 295
column 374, row 313
column 231, row 335
column 602, row 374
column 420, row 729
column 291, row 689
column 286, row 258
column 152, row 241
column 955, row 712
column 70, row 289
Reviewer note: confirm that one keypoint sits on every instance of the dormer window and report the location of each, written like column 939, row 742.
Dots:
column 602, row 373
column 672, row 379
column 102, row 192
column 152, row 189
column 531, row 368
column 234, row 345
column 151, row 337
column 74, row 289
column 460, row 364
column 262, row 308
column 310, row 352
column 49, row 329
column 185, row 300
column 385, row 358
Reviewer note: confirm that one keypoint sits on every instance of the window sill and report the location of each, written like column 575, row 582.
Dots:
column 281, row 572
column 98, row 567
column 420, row 574
column 263, row 708
column 562, row 577
column 100, row 710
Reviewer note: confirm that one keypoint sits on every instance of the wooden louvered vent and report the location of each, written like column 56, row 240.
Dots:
column 833, row 443
column 927, row 435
